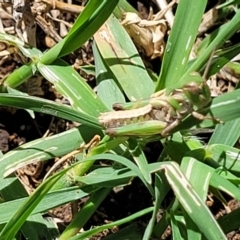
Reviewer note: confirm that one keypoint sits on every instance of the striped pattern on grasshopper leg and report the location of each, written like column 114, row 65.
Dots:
column 147, row 120
column 120, row 118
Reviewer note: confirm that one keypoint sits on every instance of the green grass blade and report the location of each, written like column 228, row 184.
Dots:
column 198, row 174
column 225, row 156
column 39, row 227
column 81, row 168
column 177, row 148
column 19, row 76
column 48, row 107
column 223, row 58
column 224, row 107
column 124, row 161
column 121, row 56
column 227, row 134
column 85, row 213
column 23, row 73
column 93, row 16
column 191, row 202
column 176, row 224
column 110, row 177
column 140, row 159
column 44, row 149
column 15, row 223
column 224, row 33
column 19, row 93
column 51, row 200
column 219, row 156
column 27, row 50
column 228, row 175
column 107, row 177
column 36, row 227
column 161, row 190
column 180, row 42
column 110, row 225
column 225, row 185
column 108, row 91
column 69, row 83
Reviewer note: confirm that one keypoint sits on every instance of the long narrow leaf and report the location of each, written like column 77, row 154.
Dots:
column 110, row 225
column 44, row 149
column 122, row 58
column 224, row 107
column 192, row 203
column 184, row 31
column 25, row 210
column 69, row 83
column 93, row 16
column 48, row 107
column 227, row 134
column 224, row 33
column 107, row 89
column 51, row 200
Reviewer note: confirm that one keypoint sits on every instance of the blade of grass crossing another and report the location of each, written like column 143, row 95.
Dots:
column 191, row 202
column 44, row 148
column 121, row 56
column 98, row 229
column 71, row 85
column 93, row 16
column 226, row 134
column 107, row 88
column 223, row 35
column 85, row 213
column 184, row 31
column 140, row 159
column 15, row 223
column 48, row 107
column 161, row 189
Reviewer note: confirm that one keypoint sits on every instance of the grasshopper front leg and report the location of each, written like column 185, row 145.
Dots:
column 167, row 130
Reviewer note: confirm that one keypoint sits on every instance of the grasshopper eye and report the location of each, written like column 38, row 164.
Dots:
column 118, row 107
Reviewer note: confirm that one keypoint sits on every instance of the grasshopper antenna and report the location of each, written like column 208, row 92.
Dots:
column 206, row 71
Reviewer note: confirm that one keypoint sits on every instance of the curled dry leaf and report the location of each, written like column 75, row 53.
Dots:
column 148, row 35
column 209, row 20
column 225, row 80
column 10, row 57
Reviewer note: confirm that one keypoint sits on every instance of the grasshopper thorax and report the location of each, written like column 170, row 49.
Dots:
column 199, row 95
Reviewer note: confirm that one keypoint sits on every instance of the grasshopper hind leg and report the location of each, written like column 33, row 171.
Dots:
column 167, row 131
column 202, row 117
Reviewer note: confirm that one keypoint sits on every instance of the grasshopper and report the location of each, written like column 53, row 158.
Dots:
column 159, row 114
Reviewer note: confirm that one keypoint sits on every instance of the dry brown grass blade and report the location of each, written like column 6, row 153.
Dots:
column 72, row 8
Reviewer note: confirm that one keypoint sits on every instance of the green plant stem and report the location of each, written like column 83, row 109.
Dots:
column 105, row 145
column 86, row 212
column 18, row 77
column 225, row 33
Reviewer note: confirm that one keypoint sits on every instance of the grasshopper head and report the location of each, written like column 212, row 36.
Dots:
column 198, row 94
